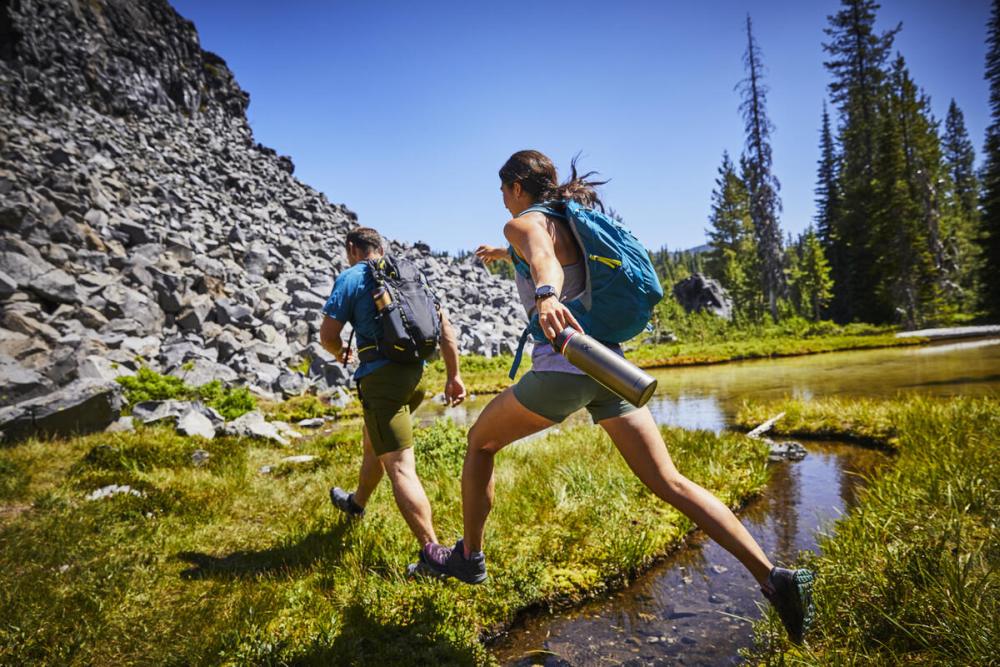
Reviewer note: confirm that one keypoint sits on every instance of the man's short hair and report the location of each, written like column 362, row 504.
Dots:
column 365, row 239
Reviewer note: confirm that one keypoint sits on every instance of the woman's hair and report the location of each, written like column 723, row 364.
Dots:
column 365, row 239
column 537, row 175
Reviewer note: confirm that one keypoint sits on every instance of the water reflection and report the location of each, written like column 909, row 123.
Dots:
column 707, row 397
column 696, row 608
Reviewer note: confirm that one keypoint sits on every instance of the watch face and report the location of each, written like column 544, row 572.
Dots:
column 545, row 290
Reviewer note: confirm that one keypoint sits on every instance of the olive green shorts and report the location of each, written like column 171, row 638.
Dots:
column 388, row 395
column 556, row 395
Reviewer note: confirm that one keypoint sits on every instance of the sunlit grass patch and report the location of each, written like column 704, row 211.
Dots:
column 213, row 560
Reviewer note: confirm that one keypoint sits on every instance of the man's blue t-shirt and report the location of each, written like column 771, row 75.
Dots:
column 351, row 301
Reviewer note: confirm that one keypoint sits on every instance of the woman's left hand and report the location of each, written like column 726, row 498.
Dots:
column 554, row 316
column 489, row 254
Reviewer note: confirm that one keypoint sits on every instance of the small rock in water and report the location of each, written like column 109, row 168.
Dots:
column 787, row 451
column 719, row 569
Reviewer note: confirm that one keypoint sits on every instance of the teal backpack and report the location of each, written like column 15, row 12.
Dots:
column 621, row 287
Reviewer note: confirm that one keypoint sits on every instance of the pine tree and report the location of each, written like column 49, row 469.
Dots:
column 761, row 183
column 827, row 187
column 857, row 64
column 991, row 173
column 911, row 265
column 733, row 258
column 959, row 160
column 960, row 157
column 810, row 285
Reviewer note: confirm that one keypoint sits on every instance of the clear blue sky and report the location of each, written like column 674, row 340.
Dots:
column 405, row 111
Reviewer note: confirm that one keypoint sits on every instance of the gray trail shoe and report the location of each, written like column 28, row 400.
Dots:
column 790, row 591
column 344, row 501
column 452, row 562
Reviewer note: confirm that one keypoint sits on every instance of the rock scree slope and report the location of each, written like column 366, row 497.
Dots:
column 142, row 224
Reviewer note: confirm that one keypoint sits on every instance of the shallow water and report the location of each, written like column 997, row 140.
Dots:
column 708, row 396
column 696, row 607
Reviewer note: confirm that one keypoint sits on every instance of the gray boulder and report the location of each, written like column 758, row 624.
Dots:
column 698, row 293
column 83, row 406
column 37, row 276
column 194, row 422
column 94, row 367
column 200, row 371
column 253, row 425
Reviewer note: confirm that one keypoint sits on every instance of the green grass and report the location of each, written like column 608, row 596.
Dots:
column 148, row 385
column 767, row 343
column 909, row 576
column 221, row 564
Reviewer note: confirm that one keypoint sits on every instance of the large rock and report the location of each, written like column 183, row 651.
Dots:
column 83, row 406
column 193, row 422
column 95, row 367
column 253, row 425
column 197, row 372
column 698, row 293
column 39, row 277
column 20, row 383
column 151, row 412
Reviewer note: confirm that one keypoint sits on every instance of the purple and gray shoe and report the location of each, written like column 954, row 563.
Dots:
column 452, row 562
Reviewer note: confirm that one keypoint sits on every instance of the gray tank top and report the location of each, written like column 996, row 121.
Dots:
column 543, row 356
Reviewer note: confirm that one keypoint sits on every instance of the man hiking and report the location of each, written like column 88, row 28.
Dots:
column 552, row 271
column 387, row 389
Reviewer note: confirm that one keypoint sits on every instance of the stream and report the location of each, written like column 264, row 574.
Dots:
column 696, row 607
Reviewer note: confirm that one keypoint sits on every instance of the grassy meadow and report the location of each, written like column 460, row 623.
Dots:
column 912, row 574
column 220, row 563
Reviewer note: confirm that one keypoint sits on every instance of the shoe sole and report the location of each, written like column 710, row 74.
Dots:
column 422, row 571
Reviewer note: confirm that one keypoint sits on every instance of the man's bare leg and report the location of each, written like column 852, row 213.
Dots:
column 371, row 472
column 413, row 504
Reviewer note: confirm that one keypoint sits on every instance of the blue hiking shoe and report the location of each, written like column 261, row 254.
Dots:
column 344, row 501
column 452, row 562
column 790, row 592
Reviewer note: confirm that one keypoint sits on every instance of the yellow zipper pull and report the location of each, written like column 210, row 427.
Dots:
column 607, row 261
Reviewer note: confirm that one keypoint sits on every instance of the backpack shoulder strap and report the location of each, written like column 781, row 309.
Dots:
column 546, row 207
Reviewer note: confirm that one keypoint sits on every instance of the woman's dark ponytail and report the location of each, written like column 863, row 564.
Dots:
column 537, row 175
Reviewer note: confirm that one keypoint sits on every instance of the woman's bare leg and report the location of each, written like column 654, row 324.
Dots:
column 502, row 422
column 640, row 443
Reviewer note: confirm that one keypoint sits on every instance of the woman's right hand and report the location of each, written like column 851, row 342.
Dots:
column 489, row 254
column 554, row 316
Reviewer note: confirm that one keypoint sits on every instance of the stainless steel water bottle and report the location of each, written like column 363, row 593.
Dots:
column 610, row 369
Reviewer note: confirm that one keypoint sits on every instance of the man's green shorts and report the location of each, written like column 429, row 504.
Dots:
column 388, row 395
column 556, row 395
